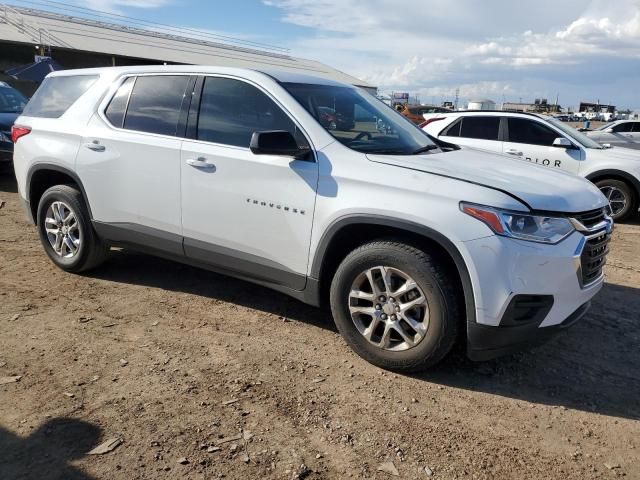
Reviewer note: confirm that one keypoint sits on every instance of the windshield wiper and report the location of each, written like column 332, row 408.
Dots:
column 424, row 149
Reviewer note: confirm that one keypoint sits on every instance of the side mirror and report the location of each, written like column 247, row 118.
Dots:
column 277, row 142
column 562, row 142
column 609, row 130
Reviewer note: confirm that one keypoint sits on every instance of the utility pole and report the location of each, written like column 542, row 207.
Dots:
column 457, row 98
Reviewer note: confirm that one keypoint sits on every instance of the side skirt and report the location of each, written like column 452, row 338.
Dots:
column 210, row 257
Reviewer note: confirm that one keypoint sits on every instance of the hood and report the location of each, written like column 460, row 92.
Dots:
column 7, row 119
column 536, row 186
column 617, row 153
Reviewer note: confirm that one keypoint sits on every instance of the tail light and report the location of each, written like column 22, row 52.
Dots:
column 427, row 122
column 18, row 132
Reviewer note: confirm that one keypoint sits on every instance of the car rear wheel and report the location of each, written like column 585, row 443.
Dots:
column 621, row 197
column 395, row 305
column 65, row 230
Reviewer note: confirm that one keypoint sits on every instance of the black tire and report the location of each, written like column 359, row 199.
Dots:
column 630, row 195
column 92, row 251
column 433, row 279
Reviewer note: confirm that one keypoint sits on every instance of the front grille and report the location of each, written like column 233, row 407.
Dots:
column 593, row 258
column 590, row 218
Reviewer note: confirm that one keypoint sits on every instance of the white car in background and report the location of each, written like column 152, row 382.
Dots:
column 621, row 133
column 551, row 143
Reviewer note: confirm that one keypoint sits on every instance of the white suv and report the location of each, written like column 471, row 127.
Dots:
column 551, row 143
column 415, row 244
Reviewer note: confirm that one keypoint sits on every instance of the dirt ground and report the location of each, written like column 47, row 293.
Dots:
column 203, row 377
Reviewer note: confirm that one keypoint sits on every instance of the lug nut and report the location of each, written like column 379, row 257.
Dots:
column 382, row 299
column 391, row 299
column 378, row 306
column 383, row 316
column 394, row 318
column 397, row 308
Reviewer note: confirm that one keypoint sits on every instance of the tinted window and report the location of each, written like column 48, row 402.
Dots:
column 57, row 94
column 231, row 110
column 484, row 128
column 453, row 130
column 636, row 127
column 11, row 100
column 623, row 127
column 118, row 105
column 522, row 130
column 155, row 103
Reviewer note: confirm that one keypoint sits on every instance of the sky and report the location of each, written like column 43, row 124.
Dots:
column 505, row 50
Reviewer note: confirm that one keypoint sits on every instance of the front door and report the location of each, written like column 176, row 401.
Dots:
column 244, row 213
column 532, row 141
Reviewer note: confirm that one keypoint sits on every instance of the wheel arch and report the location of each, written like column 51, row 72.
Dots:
column 42, row 176
column 617, row 175
column 346, row 233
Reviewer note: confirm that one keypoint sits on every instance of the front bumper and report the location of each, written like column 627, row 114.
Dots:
column 504, row 271
column 485, row 343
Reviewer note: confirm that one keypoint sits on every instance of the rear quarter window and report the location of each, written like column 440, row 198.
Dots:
column 57, row 94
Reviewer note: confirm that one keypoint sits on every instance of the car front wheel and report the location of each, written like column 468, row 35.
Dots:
column 395, row 305
column 621, row 198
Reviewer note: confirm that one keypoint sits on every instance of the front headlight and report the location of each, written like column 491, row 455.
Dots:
column 523, row 226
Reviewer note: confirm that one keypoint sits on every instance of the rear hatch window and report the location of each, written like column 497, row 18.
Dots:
column 57, row 94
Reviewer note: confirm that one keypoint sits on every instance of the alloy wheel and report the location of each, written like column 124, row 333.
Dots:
column 62, row 229
column 616, row 197
column 389, row 308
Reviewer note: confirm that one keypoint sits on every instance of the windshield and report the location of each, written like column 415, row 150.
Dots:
column 11, row 100
column 360, row 121
column 574, row 134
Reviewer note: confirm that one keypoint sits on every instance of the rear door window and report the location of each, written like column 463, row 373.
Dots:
column 57, row 94
column 482, row 128
column 522, row 130
column 636, row 127
column 155, row 104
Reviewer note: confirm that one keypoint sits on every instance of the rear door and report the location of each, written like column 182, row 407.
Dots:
column 246, row 213
column 475, row 131
column 129, row 161
column 531, row 140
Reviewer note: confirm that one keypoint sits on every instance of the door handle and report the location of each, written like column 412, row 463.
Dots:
column 515, row 152
column 95, row 146
column 200, row 162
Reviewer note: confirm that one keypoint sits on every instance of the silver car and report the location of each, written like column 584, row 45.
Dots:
column 621, row 133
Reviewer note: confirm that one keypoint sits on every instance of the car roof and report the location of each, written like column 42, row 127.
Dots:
column 491, row 113
column 283, row 76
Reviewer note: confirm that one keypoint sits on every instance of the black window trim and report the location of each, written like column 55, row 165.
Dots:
column 193, row 116
column 184, row 107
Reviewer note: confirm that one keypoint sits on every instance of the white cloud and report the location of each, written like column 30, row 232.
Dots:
column 493, row 47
